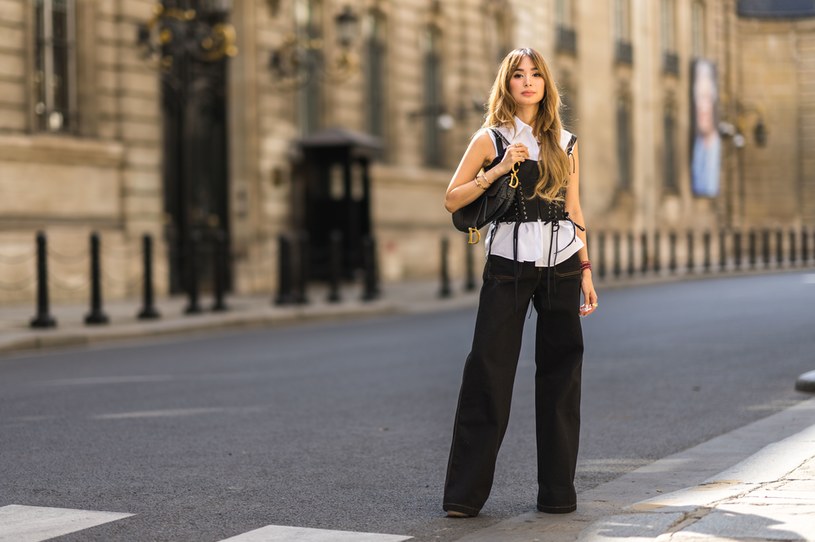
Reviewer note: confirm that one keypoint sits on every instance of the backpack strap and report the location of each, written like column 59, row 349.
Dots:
column 570, row 145
column 500, row 141
column 570, row 149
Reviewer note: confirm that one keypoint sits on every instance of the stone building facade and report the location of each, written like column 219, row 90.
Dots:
column 80, row 150
column 94, row 157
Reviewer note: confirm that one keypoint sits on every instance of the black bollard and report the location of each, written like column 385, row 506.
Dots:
column 722, row 250
column 630, row 238
column 219, row 259
column 370, row 290
column 334, row 266
column 808, row 241
column 285, row 286
column 672, row 252
column 617, row 258
column 445, row 290
column 601, row 267
column 657, row 253
column 96, row 316
column 793, row 249
column 644, row 249
column 469, row 268
column 691, row 259
column 752, row 249
column 706, row 240
column 737, row 250
column 779, row 248
column 43, row 318
column 193, row 305
column 303, row 256
column 765, row 247
column 148, row 311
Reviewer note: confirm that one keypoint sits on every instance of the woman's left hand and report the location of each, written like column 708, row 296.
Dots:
column 589, row 295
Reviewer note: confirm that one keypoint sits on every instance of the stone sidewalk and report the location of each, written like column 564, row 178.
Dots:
column 244, row 312
column 756, row 483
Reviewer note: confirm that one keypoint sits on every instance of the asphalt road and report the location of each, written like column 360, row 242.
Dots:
column 347, row 425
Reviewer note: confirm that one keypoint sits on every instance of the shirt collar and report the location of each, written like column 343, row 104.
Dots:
column 521, row 126
column 516, row 131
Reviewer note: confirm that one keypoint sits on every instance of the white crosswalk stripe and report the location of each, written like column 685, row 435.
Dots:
column 279, row 533
column 20, row 523
column 37, row 523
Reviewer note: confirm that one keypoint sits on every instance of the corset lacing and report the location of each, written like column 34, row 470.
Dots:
column 554, row 214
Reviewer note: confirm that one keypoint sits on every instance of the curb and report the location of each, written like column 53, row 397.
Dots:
column 27, row 340
column 32, row 340
column 806, row 382
column 750, row 452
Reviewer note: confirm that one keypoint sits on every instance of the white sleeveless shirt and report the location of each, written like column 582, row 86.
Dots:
column 536, row 241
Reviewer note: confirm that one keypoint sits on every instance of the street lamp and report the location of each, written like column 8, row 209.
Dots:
column 737, row 130
column 446, row 119
column 347, row 22
column 292, row 62
column 173, row 31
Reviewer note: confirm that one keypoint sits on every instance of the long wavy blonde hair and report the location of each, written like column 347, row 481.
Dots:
column 553, row 164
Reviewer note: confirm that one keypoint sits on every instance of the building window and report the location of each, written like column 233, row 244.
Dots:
column 623, row 51
column 503, row 32
column 564, row 20
column 433, row 104
column 698, row 29
column 669, row 138
column 375, row 75
column 670, row 60
column 309, row 17
column 668, row 18
column 624, row 143
column 55, row 58
column 498, row 29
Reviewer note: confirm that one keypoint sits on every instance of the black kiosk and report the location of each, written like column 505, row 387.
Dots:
column 332, row 193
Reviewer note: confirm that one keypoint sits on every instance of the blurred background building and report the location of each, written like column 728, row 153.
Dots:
column 261, row 117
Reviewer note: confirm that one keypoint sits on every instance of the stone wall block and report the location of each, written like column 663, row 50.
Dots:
column 12, row 11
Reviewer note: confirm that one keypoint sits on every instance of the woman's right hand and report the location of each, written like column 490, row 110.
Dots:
column 517, row 152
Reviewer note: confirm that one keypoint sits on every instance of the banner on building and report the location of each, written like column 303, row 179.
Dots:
column 706, row 143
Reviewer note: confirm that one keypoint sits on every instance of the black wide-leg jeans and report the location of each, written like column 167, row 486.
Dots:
column 489, row 375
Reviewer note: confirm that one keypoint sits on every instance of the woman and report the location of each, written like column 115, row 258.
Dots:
column 537, row 252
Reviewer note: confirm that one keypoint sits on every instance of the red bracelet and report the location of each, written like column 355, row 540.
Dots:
column 585, row 265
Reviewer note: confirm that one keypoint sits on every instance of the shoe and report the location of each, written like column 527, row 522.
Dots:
column 565, row 509
column 457, row 514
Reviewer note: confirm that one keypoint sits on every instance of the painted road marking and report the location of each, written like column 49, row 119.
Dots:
column 36, row 523
column 169, row 413
column 107, row 380
column 177, row 412
column 20, row 523
column 279, row 533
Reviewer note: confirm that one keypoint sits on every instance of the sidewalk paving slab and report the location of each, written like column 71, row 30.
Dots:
column 756, row 483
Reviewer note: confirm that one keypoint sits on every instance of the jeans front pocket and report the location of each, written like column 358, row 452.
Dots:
column 500, row 269
column 569, row 268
